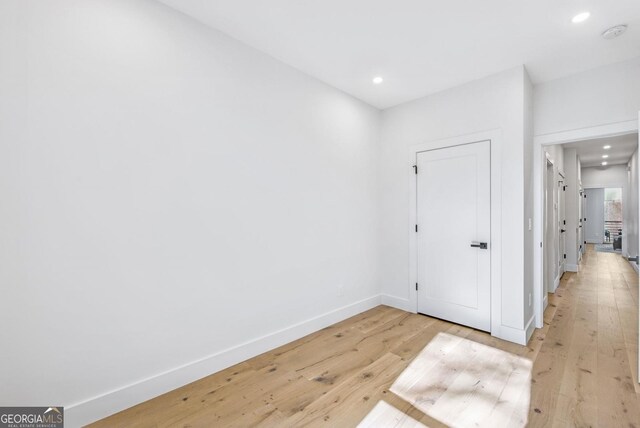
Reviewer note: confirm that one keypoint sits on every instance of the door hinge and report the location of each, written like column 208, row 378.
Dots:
column 415, row 168
column 416, row 286
column 416, row 227
column 565, row 256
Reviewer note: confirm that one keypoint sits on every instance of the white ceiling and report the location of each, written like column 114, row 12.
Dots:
column 424, row 46
column 590, row 152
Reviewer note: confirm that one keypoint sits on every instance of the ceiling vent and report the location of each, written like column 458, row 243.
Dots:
column 614, row 32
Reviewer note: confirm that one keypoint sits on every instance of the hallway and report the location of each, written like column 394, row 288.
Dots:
column 586, row 371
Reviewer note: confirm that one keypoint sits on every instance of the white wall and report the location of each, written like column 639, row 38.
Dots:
column 610, row 176
column 528, row 202
column 167, row 194
column 496, row 102
column 601, row 96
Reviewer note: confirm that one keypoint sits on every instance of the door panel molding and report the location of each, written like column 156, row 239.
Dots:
column 454, row 272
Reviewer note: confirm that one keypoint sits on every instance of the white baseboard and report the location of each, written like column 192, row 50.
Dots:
column 93, row 409
column 529, row 329
column 570, row 268
column 511, row 334
column 633, row 264
column 556, row 282
column 397, row 302
column 545, row 301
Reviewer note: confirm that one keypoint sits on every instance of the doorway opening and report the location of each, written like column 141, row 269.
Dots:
column 586, row 185
column 604, row 225
column 592, row 157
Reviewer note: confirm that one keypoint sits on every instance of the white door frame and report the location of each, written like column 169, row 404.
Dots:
column 495, row 136
column 589, row 133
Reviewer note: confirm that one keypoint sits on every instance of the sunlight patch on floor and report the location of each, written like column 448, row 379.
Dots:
column 463, row 383
column 385, row 415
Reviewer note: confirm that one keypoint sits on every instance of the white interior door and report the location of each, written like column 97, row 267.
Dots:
column 581, row 227
column 454, row 227
column 582, row 223
column 550, row 221
column 594, row 225
column 562, row 228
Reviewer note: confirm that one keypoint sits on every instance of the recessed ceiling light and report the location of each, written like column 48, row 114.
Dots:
column 605, row 156
column 581, row 17
column 604, row 163
column 606, row 147
column 377, row 80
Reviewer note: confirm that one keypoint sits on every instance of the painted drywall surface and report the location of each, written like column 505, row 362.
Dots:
column 601, row 96
column 529, row 246
column 496, row 102
column 173, row 194
column 610, row 176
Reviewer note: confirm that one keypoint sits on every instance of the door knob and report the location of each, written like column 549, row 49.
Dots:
column 562, row 231
column 481, row 245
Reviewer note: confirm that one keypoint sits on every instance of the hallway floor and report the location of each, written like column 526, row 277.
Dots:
column 586, row 373
column 581, row 370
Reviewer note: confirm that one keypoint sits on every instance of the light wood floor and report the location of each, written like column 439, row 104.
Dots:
column 584, row 366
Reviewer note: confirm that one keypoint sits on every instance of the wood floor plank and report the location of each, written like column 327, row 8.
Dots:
column 385, row 415
column 366, row 350
column 344, row 405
